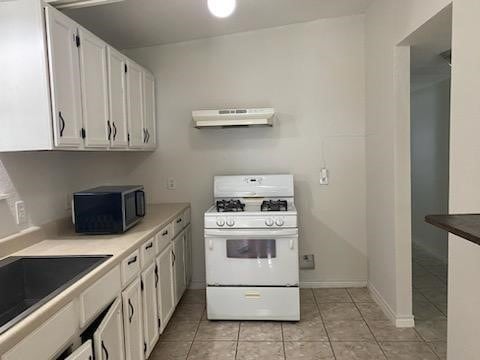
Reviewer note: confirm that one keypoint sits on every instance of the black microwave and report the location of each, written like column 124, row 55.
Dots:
column 108, row 209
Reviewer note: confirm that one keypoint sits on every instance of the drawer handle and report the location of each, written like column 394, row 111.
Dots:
column 105, row 350
column 132, row 311
column 179, row 221
column 165, row 233
column 252, row 295
column 149, row 246
column 132, row 260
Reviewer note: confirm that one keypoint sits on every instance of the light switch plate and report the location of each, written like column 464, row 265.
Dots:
column 21, row 213
column 171, row 184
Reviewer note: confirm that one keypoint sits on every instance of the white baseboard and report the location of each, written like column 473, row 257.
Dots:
column 399, row 321
column 332, row 284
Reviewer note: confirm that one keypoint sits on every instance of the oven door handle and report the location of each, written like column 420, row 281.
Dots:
column 257, row 233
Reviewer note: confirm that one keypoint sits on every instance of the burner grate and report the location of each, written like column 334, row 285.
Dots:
column 230, row 206
column 274, row 205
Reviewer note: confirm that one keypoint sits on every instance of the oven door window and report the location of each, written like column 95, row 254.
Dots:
column 251, row 249
column 130, row 208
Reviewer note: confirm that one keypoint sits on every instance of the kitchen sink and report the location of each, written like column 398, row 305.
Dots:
column 28, row 282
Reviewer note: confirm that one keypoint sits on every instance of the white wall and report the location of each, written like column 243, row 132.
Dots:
column 430, row 128
column 388, row 22
column 464, row 257
column 43, row 180
column 313, row 75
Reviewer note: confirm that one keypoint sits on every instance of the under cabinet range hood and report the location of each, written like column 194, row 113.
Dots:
column 233, row 117
column 75, row 4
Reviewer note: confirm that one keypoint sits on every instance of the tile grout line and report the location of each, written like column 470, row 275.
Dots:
column 238, row 338
column 195, row 336
column 324, row 324
column 368, row 326
column 283, row 342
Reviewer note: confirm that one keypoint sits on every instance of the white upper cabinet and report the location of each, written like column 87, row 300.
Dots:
column 94, row 85
column 117, row 90
column 135, row 106
column 63, row 56
column 149, row 110
column 81, row 93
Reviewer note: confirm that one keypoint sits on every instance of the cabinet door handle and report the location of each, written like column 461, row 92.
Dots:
column 148, row 135
column 132, row 311
column 174, row 258
column 132, row 260
column 156, row 276
column 114, row 130
column 105, row 350
column 144, row 135
column 109, row 130
column 62, row 123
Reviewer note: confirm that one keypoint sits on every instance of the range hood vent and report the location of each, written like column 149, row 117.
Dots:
column 233, row 117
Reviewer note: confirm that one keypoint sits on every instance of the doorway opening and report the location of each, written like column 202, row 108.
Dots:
column 430, row 74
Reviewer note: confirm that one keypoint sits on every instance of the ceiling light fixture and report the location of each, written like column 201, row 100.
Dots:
column 222, row 8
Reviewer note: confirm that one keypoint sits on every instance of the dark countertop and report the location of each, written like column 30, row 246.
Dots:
column 466, row 226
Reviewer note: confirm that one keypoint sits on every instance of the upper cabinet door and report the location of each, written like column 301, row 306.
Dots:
column 64, row 78
column 108, row 339
column 135, row 105
column 118, row 98
column 149, row 106
column 94, row 80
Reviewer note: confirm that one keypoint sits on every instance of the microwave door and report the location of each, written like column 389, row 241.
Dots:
column 140, row 203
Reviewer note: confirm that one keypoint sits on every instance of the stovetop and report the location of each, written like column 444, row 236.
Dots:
column 248, row 213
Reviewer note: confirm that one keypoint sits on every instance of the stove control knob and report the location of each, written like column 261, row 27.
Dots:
column 230, row 222
column 220, row 222
column 269, row 222
column 279, row 222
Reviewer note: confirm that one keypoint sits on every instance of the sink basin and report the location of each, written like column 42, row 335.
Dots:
column 26, row 283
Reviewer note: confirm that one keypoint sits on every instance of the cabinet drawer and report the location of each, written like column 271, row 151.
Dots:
column 130, row 267
column 178, row 225
column 49, row 339
column 163, row 237
column 99, row 295
column 187, row 217
column 147, row 252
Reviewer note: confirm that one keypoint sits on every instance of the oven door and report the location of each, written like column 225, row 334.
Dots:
column 257, row 257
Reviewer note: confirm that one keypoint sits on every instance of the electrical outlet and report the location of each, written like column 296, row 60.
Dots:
column 324, row 176
column 171, row 184
column 307, row 262
column 21, row 213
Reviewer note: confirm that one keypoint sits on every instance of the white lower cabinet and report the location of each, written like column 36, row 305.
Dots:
column 150, row 313
column 165, row 288
column 108, row 340
column 132, row 321
column 188, row 255
column 84, row 352
column 179, row 266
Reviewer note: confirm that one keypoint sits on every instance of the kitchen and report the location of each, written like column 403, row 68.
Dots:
column 312, row 63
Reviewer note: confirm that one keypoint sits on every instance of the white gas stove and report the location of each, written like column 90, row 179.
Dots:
column 251, row 249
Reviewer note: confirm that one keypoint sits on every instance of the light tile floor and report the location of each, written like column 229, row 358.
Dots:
column 336, row 324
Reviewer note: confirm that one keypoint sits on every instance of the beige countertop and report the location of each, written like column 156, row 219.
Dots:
column 70, row 243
